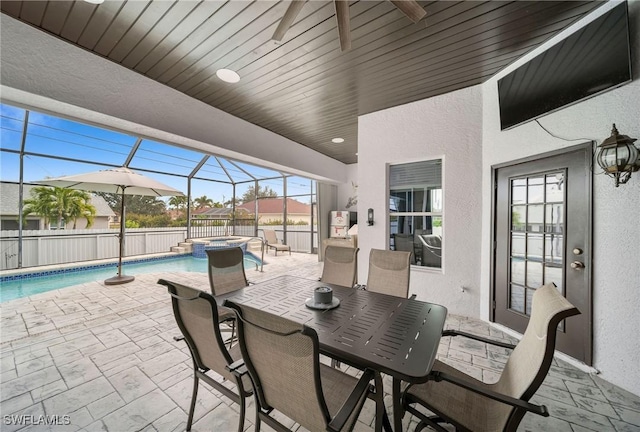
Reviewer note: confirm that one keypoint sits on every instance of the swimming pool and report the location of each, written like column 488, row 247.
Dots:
column 27, row 286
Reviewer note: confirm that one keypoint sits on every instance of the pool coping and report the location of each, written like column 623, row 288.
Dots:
column 75, row 267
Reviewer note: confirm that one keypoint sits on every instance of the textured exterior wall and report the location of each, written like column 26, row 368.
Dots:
column 448, row 127
column 616, row 269
column 346, row 190
column 46, row 73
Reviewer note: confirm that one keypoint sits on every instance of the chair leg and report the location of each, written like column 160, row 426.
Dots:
column 233, row 331
column 257, row 429
column 193, row 397
column 243, row 407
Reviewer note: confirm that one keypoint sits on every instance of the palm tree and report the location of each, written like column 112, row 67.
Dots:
column 178, row 202
column 80, row 207
column 203, row 202
column 60, row 204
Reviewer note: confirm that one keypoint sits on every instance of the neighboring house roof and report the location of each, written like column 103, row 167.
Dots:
column 9, row 195
column 215, row 212
column 274, row 205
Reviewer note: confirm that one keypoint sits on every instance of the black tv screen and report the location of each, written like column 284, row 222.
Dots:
column 594, row 59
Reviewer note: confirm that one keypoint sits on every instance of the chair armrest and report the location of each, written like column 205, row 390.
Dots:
column 363, row 385
column 518, row 403
column 238, row 368
column 478, row 338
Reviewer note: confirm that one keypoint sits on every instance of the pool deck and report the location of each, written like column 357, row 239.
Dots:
column 105, row 357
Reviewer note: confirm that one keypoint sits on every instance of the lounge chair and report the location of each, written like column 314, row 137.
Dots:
column 471, row 405
column 274, row 243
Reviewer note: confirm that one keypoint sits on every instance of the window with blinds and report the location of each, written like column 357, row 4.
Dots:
column 415, row 211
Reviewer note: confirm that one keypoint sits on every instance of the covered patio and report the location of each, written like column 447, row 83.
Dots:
column 105, row 356
column 407, row 93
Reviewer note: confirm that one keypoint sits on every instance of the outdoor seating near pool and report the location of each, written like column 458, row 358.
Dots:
column 307, row 216
column 108, row 359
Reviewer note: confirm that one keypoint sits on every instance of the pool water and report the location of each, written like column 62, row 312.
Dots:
column 14, row 289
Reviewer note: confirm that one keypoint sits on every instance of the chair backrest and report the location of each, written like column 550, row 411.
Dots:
column 389, row 272
column 196, row 314
column 404, row 242
column 431, row 250
column 284, row 364
column 340, row 266
column 226, row 270
column 529, row 362
column 270, row 236
column 432, row 241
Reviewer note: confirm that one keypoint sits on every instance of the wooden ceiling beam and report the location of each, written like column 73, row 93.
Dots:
column 289, row 17
column 411, row 9
column 342, row 17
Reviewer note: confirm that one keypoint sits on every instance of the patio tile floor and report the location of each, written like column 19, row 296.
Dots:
column 105, row 358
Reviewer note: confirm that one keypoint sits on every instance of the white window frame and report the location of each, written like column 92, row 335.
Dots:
column 434, row 214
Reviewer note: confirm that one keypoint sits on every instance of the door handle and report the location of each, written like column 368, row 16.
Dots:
column 577, row 265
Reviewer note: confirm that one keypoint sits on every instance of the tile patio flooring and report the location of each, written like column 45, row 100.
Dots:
column 105, row 357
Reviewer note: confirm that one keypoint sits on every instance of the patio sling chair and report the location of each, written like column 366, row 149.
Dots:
column 405, row 242
column 431, row 250
column 389, row 272
column 226, row 274
column 471, row 405
column 283, row 360
column 274, row 243
column 340, row 266
column 196, row 314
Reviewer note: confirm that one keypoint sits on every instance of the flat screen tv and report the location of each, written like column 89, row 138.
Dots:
column 595, row 59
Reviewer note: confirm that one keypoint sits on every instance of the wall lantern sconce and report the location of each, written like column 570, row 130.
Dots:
column 618, row 157
column 370, row 216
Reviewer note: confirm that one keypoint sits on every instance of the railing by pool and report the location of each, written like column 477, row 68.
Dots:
column 51, row 247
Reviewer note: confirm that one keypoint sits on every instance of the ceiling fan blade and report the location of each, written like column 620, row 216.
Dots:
column 342, row 16
column 411, row 9
column 288, row 18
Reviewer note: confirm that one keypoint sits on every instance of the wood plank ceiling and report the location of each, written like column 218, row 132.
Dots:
column 304, row 87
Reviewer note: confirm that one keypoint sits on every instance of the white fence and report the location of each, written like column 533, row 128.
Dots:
column 47, row 247
column 298, row 236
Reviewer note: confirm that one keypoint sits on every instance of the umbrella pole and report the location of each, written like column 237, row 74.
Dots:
column 120, row 278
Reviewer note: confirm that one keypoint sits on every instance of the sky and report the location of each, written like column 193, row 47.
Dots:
column 50, row 135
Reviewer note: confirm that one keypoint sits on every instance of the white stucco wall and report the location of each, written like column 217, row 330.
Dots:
column 347, row 190
column 448, row 127
column 46, row 73
column 616, row 266
column 464, row 128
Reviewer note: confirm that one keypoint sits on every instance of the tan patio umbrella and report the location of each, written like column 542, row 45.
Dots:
column 122, row 181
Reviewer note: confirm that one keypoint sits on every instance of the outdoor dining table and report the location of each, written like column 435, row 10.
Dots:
column 390, row 335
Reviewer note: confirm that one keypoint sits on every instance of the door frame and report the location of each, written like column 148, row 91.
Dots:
column 588, row 148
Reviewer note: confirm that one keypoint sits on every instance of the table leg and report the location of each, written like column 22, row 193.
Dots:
column 397, row 406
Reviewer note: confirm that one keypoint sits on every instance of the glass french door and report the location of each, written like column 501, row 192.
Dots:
column 542, row 235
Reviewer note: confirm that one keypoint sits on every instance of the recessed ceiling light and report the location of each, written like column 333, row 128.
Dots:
column 95, row 1
column 228, row 75
column 337, row 140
